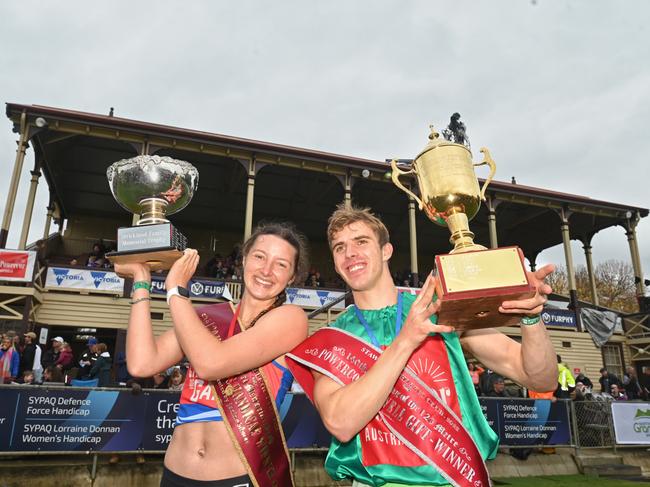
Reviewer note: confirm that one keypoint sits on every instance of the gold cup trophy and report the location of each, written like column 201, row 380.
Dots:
column 472, row 280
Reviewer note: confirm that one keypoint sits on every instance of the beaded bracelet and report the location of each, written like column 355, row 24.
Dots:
column 530, row 320
column 135, row 301
column 142, row 285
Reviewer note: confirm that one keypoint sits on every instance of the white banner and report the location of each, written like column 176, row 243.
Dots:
column 631, row 422
column 313, row 298
column 98, row 281
column 17, row 265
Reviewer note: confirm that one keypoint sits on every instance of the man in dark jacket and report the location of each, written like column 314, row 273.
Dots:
column 52, row 355
column 606, row 380
column 102, row 368
column 88, row 358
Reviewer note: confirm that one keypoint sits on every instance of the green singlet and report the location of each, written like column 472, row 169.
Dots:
column 344, row 459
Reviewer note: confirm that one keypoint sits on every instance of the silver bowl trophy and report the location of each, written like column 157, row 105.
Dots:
column 151, row 187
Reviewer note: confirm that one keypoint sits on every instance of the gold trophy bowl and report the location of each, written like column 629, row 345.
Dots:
column 473, row 281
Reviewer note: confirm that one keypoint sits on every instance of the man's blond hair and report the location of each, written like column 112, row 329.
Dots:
column 344, row 216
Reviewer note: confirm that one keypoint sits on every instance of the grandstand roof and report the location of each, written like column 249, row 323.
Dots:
column 299, row 184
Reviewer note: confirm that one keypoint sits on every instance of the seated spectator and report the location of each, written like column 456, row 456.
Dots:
column 96, row 258
column 498, row 388
column 52, row 374
column 65, row 360
column 9, row 361
column 102, row 368
column 176, row 379
column 617, row 394
column 28, row 378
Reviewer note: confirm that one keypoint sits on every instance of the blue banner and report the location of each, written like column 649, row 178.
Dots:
column 559, row 317
column 71, row 419
column 523, row 422
column 36, row 418
column 199, row 288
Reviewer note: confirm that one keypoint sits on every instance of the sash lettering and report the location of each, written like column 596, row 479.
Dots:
column 420, row 421
column 249, row 413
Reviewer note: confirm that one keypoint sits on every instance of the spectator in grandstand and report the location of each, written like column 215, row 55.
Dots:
column 30, row 359
column 52, row 374
column 176, row 379
column 201, row 448
column 565, row 381
column 617, row 393
column 633, row 389
column 498, row 388
column 475, row 371
column 51, row 355
column 581, row 377
column 28, row 378
column 606, row 380
column 66, row 359
column 644, row 380
column 88, row 358
column 122, row 375
column 9, row 361
column 485, row 381
column 160, row 380
column 102, row 368
column 582, row 392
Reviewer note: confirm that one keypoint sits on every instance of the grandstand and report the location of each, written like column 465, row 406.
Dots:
column 243, row 182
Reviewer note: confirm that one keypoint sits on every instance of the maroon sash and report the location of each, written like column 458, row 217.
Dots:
column 249, row 412
column 414, row 416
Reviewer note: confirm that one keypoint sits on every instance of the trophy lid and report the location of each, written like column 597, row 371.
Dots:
column 133, row 180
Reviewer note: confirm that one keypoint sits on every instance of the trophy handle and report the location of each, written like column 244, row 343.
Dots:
column 396, row 173
column 487, row 159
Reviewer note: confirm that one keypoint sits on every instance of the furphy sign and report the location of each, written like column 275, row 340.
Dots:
column 199, row 288
column 631, row 422
column 559, row 317
column 17, row 265
column 67, row 278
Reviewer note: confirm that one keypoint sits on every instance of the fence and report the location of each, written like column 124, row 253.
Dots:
column 592, row 423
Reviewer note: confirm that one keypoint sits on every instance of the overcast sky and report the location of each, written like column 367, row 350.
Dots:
column 558, row 90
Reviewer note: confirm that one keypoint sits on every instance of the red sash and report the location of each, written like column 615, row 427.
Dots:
column 413, row 418
column 249, row 412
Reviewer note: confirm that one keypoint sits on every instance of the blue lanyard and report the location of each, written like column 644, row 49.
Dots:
column 371, row 335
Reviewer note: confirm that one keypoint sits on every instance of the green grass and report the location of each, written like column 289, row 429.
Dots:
column 564, row 481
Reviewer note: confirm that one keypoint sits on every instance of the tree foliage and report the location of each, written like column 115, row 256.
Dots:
column 614, row 284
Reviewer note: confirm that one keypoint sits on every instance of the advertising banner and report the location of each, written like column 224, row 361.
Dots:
column 78, row 279
column 199, row 288
column 522, row 422
column 313, row 298
column 78, row 419
column 631, row 422
column 559, row 317
column 17, row 265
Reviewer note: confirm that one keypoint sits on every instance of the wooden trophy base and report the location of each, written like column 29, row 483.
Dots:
column 472, row 286
column 156, row 259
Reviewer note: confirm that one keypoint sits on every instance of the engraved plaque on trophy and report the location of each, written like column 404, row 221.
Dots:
column 472, row 280
column 151, row 187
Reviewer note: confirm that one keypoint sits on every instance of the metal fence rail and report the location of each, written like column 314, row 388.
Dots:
column 593, row 425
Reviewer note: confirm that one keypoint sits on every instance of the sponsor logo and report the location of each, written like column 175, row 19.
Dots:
column 642, row 421
column 291, row 294
column 324, row 297
column 196, row 288
column 102, row 277
column 63, row 275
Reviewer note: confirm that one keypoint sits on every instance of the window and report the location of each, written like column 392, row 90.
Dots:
column 613, row 359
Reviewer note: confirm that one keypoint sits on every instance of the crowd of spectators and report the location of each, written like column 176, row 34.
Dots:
column 23, row 361
column 578, row 388
column 96, row 258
